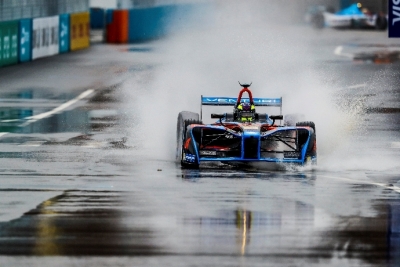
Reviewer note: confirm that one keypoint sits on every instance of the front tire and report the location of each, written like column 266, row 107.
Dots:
column 185, row 118
column 312, row 145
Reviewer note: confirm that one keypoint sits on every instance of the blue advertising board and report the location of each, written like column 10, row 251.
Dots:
column 97, row 18
column 394, row 18
column 155, row 22
column 64, row 32
column 25, row 40
column 109, row 16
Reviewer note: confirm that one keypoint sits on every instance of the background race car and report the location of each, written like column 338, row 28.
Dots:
column 352, row 17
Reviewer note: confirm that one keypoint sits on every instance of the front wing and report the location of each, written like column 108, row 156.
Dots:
column 292, row 145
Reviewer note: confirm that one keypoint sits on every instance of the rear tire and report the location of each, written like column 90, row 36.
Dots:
column 307, row 124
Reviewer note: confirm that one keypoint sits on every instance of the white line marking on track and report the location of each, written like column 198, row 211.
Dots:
column 338, row 51
column 386, row 186
column 32, row 143
column 357, row 86
column 13, row 120
column 51, row 112
column 57, row 109
column 395, row 145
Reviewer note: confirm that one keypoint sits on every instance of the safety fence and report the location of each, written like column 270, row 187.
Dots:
column 29, row 39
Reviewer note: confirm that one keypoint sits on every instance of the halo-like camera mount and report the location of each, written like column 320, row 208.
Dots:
column 245, row 85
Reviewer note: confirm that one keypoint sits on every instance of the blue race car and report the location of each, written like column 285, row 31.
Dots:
column 353, row 17
column 244, row 137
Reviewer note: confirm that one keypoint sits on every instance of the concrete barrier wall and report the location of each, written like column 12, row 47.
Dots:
column 64, row 31
column 143, row 24
column 25, row 40
column 97, row 18
column 29, row 39
column 8, row 43
column 80, row 30
column 45, row 34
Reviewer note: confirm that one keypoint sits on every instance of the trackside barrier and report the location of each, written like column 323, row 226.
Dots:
column 111, row 27
column 151, row 23
column 9, row 42
column 147, row 23
column 80, row 30
column 64, row 33
column 45, row 33
column 25, row 40
column 117, row 26
column 97, row 18
column 121, row 18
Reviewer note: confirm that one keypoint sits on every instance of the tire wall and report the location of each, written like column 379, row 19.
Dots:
column 25, row 40
column 8, row 43
column 80, row 31
column 45, row 34
column 64, row 31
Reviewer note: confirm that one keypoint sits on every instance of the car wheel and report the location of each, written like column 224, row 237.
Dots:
column 312, row 145
column 186, row 123
column 307, row 124
column 181, row 125
column 381, row 23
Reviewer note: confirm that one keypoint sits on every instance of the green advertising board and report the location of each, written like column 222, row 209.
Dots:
column 8, row 43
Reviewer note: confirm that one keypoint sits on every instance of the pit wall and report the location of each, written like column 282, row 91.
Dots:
column 30, row 39
column 144, row 24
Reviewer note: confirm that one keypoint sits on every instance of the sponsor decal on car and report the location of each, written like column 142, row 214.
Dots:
column 208, row 153
column 189, row 158
column 291, row 154
column 250, row 128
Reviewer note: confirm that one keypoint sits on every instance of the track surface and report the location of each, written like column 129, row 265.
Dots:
column 93, row 183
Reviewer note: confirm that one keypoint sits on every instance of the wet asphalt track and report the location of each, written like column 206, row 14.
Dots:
column 78, row 189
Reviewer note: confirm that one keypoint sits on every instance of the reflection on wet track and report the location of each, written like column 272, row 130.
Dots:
column 75, row 223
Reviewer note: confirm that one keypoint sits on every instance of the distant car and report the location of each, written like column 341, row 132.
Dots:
column 353, row 17
column 244, row 137
column 314, row 15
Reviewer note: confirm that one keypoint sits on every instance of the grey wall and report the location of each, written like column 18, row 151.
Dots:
column 18, row 9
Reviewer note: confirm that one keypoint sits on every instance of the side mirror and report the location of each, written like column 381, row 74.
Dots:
column 276, row 117
column 217, row 116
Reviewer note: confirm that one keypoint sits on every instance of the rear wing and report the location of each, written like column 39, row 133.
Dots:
column 231, row 101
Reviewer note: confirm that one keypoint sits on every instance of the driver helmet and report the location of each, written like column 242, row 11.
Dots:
column 246, row 112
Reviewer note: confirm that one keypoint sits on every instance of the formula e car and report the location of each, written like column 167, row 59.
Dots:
column 353, row 17
column 244, row 137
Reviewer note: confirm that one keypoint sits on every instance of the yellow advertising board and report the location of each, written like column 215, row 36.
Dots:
column 80, row 30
